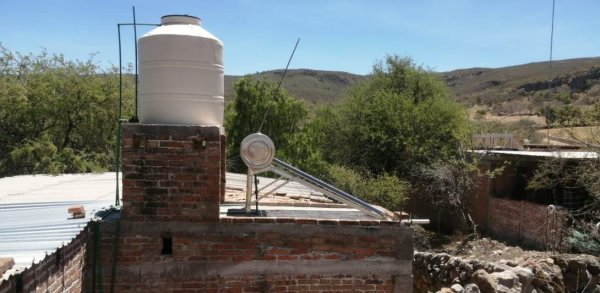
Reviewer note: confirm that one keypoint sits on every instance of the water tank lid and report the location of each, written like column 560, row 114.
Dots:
column 179, row 19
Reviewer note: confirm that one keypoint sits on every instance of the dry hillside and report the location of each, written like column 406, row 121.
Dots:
column 518, row 89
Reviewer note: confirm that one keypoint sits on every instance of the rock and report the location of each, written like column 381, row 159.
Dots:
column 593, row 266
column 547, row 278
column 561, row 262
column 5, row 264
column 575, row 266
column 506, row 278
column 595, row 289
column 483, row 280
column 576, row 281
column 501, row 268
column 595, row 281
column 503, row 289
column 525, row 276
column 457, row 288
column 471, row 288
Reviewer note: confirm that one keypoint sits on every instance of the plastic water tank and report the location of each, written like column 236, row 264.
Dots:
column 180, row 74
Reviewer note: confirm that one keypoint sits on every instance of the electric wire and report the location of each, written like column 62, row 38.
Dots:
column 278, row 86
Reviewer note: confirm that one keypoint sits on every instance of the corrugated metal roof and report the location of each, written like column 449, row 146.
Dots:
column 543, row 154
column 33, row 211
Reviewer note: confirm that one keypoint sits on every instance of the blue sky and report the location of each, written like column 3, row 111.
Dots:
column 339, row 35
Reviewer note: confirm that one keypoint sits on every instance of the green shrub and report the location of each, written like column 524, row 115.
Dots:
column 384, row 190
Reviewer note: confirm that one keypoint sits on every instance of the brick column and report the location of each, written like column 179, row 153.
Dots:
column 172, row 173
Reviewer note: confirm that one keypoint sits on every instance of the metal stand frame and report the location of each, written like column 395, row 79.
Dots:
column 291, row 173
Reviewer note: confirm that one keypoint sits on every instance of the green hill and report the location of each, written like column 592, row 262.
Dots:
column 519, row 89
column 313, row 86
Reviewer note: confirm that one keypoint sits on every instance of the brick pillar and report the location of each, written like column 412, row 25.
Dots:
column 172, row 173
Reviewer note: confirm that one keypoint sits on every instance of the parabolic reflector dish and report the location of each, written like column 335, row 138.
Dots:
column 257, row 151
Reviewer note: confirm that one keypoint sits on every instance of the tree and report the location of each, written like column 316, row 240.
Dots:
column 582, row 233
column 397, row 120
column 448, row 187
column 399, row 123
column 57, row 115
column 284, row 123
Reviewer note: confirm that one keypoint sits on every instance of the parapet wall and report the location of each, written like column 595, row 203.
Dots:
column 260, row 257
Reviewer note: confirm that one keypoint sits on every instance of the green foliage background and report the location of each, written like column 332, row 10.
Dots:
column 372, row 143
column 60, row 116
column 57, row 115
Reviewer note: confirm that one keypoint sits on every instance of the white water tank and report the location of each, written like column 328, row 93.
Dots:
column 180, row 74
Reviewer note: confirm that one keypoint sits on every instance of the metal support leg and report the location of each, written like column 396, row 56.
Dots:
column 249, row 191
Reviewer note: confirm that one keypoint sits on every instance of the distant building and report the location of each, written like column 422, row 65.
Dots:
column 504, row 206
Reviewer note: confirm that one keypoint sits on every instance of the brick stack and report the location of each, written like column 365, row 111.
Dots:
column 172, row 173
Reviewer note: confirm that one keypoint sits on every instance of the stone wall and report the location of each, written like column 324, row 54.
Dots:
column 65, row 270
column 558, row 273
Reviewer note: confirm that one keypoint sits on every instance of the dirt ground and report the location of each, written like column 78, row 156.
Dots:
column 469, row 247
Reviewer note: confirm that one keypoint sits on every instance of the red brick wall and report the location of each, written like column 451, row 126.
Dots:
column 524, row 221
column 172, row 172
column 480, row 198
column 251, row 254
column 65, row 270
column 173, row 182
column 172, row 185
column 268, row 283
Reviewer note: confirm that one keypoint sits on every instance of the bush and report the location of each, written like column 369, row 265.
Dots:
column 384, row 190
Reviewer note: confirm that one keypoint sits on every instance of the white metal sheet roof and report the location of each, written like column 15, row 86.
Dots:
column 33, row 211
column 544, row 154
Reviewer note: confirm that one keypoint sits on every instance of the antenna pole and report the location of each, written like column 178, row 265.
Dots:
column 278, row 86
column 135, row 117
column 550, row 79
column 118, row 139
column 119, row 119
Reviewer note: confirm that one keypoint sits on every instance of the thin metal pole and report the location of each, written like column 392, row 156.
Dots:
column 550, row 78
column 256, row 191
column 120, row 118
column 118, row 138
column 140, row 24
column 278, row 86
column 136, row 65
column 249, row 191
column 118, row 163
column 120, row 72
